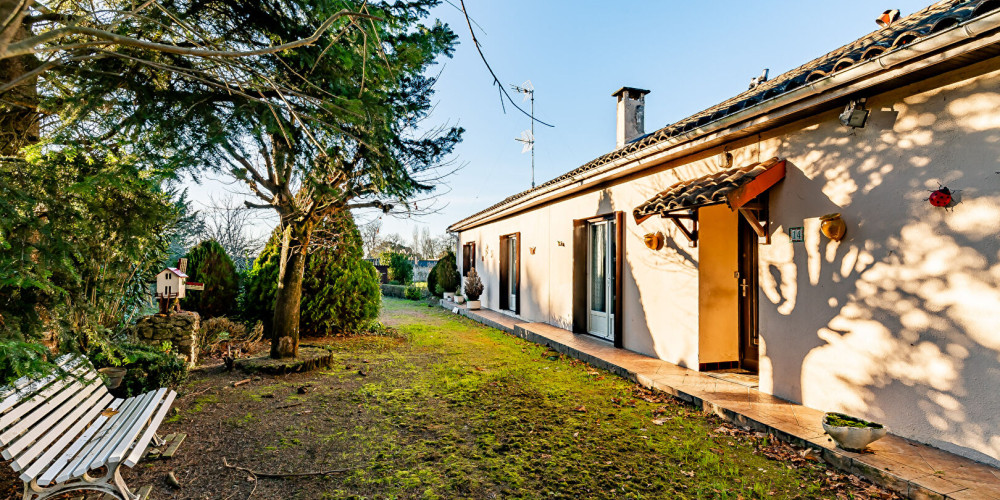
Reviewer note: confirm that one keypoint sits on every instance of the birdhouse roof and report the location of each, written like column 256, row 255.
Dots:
column 177, row 272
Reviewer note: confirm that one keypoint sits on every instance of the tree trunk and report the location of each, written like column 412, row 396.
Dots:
column 294, row 249
column 18, row 115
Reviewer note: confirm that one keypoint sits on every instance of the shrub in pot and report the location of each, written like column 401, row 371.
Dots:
column 473, row 289
column 851, row 433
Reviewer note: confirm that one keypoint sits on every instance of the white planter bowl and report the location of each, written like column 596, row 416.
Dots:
column 853, row 438
column 449, row 296
column 474, row 304
column 459, row 299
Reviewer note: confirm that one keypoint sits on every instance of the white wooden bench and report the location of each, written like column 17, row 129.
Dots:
column 59, row 430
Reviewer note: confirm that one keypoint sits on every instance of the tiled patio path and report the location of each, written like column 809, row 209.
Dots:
column 910, row 468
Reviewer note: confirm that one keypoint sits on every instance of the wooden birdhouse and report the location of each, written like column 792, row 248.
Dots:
column 170, row 283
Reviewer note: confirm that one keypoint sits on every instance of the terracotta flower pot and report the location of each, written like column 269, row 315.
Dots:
column 833, row 226
column 115, row 375
column 853, row 438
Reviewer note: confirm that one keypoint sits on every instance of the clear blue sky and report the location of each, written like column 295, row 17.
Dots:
column 690, row 54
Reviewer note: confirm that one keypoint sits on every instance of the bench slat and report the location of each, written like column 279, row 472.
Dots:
column 90, row 443
column 47, row 431
column 96, row 456
column 23, row 382
column 59, row 464
column 143, row 442
column 73, row 392
column 38, row 464
column 130, row 434
column 78, row 368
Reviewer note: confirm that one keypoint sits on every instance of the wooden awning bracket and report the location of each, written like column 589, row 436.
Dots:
column 690, row 234
column 763, row 229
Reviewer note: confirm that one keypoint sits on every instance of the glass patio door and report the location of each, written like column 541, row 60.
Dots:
column 513, row 275
column 600, row 278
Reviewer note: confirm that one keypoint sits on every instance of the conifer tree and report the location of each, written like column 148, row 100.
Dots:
column 341, row 290
column 208, row 263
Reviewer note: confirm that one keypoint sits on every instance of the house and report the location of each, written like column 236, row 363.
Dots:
column 421, row 268
column 170, row 283
column 701, row 243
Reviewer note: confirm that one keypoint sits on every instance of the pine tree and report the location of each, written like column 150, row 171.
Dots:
column 261, row 285
column 341, row 290
column 208, row 263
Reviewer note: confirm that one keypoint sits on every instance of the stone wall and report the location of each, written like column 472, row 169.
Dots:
column 180, row 329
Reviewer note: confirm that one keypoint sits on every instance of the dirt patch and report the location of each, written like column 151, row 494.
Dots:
column 310, row 358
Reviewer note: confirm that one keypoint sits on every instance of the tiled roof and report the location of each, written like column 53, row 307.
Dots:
column 178, row 272
column 707, row 190
column 938, row 17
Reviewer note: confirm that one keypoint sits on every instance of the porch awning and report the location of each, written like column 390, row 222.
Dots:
column 736, row 187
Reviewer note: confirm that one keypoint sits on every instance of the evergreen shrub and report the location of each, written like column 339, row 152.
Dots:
column 208, row 263
column 412, row 293
column 340, row 290
column 447, row 272
column 149, row 367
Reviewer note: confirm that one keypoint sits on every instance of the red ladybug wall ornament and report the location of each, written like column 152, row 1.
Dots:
column 941, row 197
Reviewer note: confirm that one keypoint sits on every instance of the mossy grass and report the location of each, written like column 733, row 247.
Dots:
column 842, row 420
column 447, row 408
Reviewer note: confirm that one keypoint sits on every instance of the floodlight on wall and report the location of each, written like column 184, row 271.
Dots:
column 855, row 115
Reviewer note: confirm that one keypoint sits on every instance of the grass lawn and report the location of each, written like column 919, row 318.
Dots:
column 452, row 409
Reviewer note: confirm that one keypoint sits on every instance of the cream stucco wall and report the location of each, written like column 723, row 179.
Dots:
column 899, row 322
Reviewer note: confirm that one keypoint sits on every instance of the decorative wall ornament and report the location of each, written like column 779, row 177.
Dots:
column 654, row 241
column 940, row 197
column 560, row 243
column 532, row 250
column 833, row 226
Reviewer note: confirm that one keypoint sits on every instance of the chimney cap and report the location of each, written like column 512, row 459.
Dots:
column 629, row 90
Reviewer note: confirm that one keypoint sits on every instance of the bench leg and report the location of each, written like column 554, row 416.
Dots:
column 110, row 483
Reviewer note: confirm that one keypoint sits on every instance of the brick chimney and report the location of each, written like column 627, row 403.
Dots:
column 631, row 114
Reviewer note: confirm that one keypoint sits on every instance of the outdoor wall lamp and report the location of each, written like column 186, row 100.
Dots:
column 855, row 115
column 654, row 241
column 833, row 226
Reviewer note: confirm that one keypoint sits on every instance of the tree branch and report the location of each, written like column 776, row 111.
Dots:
column 30, row 45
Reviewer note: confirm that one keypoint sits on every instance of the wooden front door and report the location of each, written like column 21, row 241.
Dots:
column 747, row 276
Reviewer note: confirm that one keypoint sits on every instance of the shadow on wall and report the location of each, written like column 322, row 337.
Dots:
column 900, row 321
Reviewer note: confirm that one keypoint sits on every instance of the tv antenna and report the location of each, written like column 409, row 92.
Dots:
column 528, row 136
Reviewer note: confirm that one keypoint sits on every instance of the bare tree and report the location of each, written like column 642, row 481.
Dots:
column 427, row 244
column 228, row 222
column 416, row 242
column 370, row 236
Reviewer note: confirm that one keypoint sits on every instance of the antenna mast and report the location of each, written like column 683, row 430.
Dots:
column 528, row 136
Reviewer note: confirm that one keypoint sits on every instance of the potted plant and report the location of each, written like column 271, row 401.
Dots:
column 473, row 289
column 114, row 375
column 851, row 433
column 459, row 299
